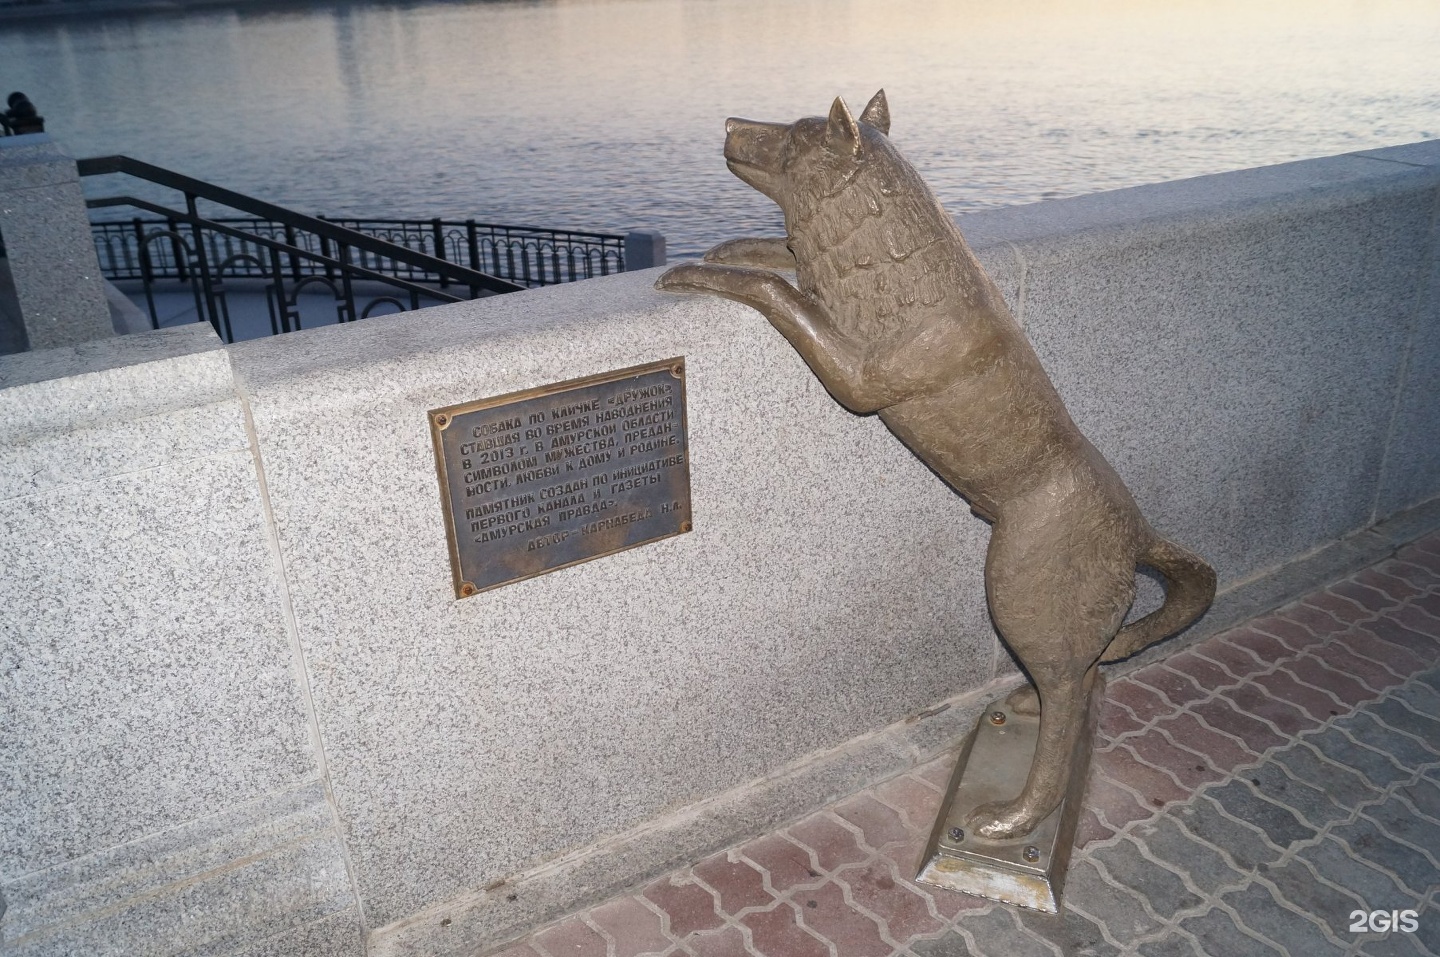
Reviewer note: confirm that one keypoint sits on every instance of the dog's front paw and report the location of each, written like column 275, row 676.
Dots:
column 686, row 277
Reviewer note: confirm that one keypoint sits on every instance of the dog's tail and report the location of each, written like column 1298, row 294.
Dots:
column 1189, row 589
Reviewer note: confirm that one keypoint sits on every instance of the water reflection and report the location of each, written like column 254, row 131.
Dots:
column 608, row 113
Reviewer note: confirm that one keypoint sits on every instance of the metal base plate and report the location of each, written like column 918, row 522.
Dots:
column 993, row 766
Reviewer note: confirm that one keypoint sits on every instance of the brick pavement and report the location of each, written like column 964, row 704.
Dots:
column 1249, row 795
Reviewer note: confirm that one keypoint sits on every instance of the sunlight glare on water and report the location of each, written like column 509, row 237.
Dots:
column 608, row 114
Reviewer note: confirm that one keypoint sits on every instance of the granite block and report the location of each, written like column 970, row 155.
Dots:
column 1412, row 459
column 120, row 890
column 1207, row 329
column 147, row 677
column 258, row 900
column 47, row 240
column 659, row 676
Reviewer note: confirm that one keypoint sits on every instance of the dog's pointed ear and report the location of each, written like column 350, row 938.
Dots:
column 877, row 113
column 842, row 133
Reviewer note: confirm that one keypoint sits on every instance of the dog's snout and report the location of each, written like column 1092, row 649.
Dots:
column 732, row 124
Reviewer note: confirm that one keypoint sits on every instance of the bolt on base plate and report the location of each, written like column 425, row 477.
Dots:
column 1028, row 870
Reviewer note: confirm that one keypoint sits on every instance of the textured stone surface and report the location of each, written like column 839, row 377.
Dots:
column 147, row 677
column 47, row 240
column 267, row 876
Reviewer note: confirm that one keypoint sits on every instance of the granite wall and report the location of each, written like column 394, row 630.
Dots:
column 246, row 714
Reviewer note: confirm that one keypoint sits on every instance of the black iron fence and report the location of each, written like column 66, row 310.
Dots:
column 525, row 255
column 293, row 253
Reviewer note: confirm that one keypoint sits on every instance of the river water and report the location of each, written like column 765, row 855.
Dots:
column 607, row 114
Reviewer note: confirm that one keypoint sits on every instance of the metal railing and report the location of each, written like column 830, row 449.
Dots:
column 526, row 255
column 292, row 252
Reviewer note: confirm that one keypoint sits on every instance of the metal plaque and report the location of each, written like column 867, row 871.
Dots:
column 550, row 477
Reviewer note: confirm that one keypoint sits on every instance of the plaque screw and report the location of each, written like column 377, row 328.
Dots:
column 684, row 526
column 467, row 589
column 997, row 718
column 957, row 834
column 1031, row 853
column 442, row 420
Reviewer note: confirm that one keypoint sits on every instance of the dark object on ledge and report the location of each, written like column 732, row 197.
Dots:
column 20, row 116
column 895, row 316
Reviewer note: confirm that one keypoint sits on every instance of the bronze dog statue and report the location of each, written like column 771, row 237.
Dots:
column 894, row 315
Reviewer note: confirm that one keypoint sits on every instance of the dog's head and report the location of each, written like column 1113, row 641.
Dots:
column 799, row 164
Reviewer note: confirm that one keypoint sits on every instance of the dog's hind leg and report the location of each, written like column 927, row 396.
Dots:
column 1057, row 597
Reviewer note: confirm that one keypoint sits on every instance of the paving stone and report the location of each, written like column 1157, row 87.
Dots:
column 1414, row 617
column 833, row 843
column 1397, row 659
column 1421, row 697
column 1424, row 794
column 1271, row 781
column 1430, row 678
column 1338, row 607
column 785, row 863
column 1397, row 588
column 1218, row 935
column 1074, row 934
column 1177, row 688
column 937, row 773
column 1398, row 821
column 880, row 824
column 689, row 906
column 1374, row 675
column 1317, row 704
column 1299, row 885
column 1429, row 601
column 1399, row 746
column 1167, row 841
column 1346, row 689
column 1294, row 631
column 1116, row 721
column 1257, row 700
column 826, row 913
column 1417, row 575
column 1171, row 945
column 1222, row 714
column 737, row 883
column 1090, row 829
column 1162, row 887
column 571, row 938
column 1204, row 672
column 1262, row 913
column 1397, row 716
column 1145, row 703
column 1378, row 769
column 1280, row 824
column 1388, row 945
column 1118, row 909
column 1113, row 803
column 777, row 933
column 1221, row 750
column 1266, row 647
column 1362, row 595
column 1154, row 786
column 633, row 926
column 1188, row 768
column 1342, row 785
column 1317, row 620
column 1240, row 663
column 916, row 801
column 725, row 942
column 1375, row 889
column 519, row 950
column 1423, row 647
column 1395, row 861
column 898, row 903
column 1428, row 933
column 950, row 944
column 1243, row 842
column 997, row 934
